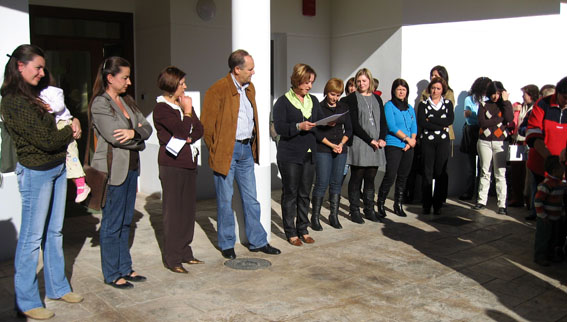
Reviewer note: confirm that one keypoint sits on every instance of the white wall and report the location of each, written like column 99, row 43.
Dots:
column 366, row 33
column 521, row 51
column 421, row 12
column 14, row 17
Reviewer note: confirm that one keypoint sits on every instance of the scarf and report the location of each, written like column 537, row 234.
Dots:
column 306, row 107
column 401, row 105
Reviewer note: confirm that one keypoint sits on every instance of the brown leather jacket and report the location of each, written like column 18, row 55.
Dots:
column 219, row 117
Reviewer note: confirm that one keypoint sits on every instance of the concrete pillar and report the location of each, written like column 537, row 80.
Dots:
column 14, row 21
column 251, row 32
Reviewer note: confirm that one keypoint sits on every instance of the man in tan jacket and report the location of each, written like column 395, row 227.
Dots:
column 230, row 121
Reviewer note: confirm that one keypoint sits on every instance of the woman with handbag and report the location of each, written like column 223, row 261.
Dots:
column 469, row 139
column 494, row 118
column 434, row 116
column 120, row 126
column 41, row 173
column 176, row 123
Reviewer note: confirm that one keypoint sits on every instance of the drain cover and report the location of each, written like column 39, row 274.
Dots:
column 248, row 264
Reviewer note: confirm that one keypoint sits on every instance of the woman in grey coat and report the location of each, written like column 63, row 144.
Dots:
column 119, row 126
column 367, row 151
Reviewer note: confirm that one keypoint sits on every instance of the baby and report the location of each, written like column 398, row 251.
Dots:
column 54, row 99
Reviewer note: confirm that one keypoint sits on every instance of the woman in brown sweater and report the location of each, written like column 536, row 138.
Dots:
column 495, row 116
column 177, row 129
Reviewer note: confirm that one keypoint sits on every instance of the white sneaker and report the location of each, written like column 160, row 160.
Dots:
column 83, row 195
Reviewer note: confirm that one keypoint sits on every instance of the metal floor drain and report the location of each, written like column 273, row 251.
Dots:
column 248, row 264
column 452, row 221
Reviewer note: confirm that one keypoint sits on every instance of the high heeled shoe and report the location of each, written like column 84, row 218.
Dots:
column 178, row 269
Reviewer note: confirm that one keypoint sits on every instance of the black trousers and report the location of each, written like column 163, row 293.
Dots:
column 178, row 206
column 435, row 155
column 472, row 176
column 398, row 167
column 357, row 174
column 297, row 180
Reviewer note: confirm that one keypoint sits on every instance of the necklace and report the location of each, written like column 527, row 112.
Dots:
column 369, row 106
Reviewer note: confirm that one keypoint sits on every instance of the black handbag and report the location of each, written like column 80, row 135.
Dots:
column 469, row 139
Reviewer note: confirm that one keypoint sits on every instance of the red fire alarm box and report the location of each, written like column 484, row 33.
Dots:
column 309, row 8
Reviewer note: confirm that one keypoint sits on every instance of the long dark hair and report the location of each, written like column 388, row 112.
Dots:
column 402, row 105
column 14, row 83
column 478, row 88
column 443, row 73
column 110, row 66
column 495, row 87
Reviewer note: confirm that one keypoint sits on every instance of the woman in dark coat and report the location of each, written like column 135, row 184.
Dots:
column 294, row 114
column 331, row 153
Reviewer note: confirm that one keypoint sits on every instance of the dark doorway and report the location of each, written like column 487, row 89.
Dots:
column 76, row 41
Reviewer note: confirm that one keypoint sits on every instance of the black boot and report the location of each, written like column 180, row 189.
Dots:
column 316, row 213
column 334, row 216
column 369, row 212
column 381, row 201
column 398, row 205
column 354, row 207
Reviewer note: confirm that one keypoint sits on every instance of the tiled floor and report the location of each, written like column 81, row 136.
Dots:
column 463, row 266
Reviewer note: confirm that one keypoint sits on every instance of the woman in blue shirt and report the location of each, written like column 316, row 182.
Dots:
column 400, row 141
column 476, row 94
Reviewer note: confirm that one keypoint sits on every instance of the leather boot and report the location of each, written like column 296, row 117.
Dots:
column 354, row 207
column 381, row 201
column 368, row 199
column 316, row 213
column 398, row 205
column 334, row 216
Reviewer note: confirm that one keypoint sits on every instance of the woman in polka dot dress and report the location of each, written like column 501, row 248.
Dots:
column 434, row 116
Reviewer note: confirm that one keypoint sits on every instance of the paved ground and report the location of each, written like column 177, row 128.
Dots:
column 461, row 266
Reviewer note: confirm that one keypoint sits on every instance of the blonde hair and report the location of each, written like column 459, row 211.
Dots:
column 368, row 74
column 301, row 74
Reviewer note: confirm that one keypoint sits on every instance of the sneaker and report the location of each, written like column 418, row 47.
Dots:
column 81, row 196
column 502, row 211
column 478, row 206
column 39, row 313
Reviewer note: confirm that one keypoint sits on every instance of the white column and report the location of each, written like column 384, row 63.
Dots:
column 251, row 32
column 15, row 24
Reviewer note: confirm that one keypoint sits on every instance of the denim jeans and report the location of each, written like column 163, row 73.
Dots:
column 43, row 196
column 115, row 228
column 241, row 169
column 329, row 168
